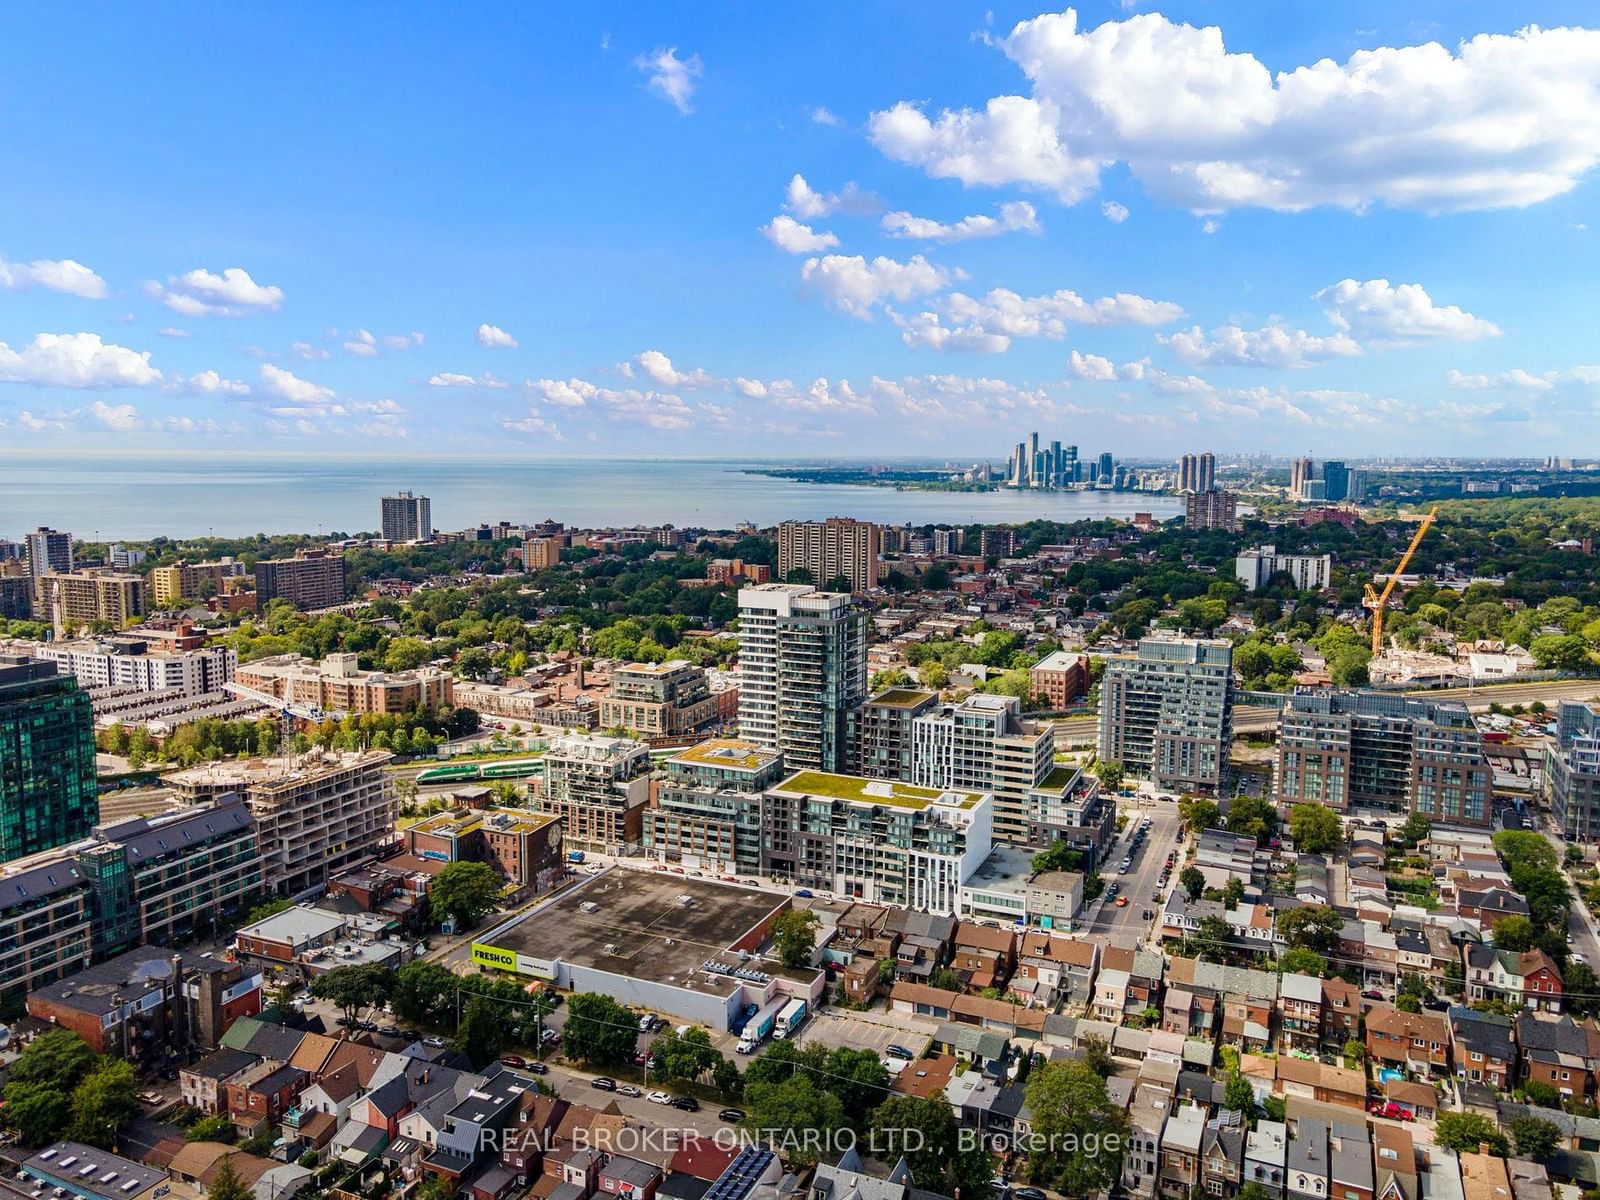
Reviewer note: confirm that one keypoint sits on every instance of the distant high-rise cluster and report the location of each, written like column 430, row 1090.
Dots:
column 1197, row 472
column 1334, row 482
column 1052, row 466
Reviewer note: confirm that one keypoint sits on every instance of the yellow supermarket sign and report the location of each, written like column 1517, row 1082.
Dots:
column 497, row 959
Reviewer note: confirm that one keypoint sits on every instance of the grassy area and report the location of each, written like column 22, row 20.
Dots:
column 868, row 791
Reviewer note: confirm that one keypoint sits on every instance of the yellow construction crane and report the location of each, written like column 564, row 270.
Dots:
column 1378, row 601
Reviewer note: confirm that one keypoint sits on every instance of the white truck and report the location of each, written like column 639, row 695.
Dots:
column 756, row 1029
column 793, row 1016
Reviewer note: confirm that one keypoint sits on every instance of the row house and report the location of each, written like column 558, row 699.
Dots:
column 1144, row 970
column 984, row 956
column 1560, row 1052
column 1341, row 1015
column 1180, row 1152
column 1350, row 1174
column 1529, row 979
column 1222, row 1154
column 1249, row 999
column 1054, row 971
column 1480, row 1044
column 1306, row 1172
column 1148, row 1109
column 1300, row 1014
column 1412, row 1041
column 1265, row 1153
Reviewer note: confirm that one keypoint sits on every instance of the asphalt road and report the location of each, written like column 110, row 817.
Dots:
column 1127, row 926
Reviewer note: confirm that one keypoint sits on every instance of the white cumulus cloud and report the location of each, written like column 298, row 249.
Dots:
column 1500, row 120
column 855, row 285
column 1015, row 216
column 673, row 77
column 286, row 385
column 57, row 275
column 1114, row 212
column 990, row 321
column 805, row 202
column 492, row 337
column 123, row 418
column 1091, row 366
column 1270, row 346
column 211, row 383
column 792, row 237
column 1377, row 312
column 76, row 360
column 201, row 293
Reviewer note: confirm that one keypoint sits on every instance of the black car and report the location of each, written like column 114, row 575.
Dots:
column 732, row 1115
column 603, row 1083
column 1028, row 1193
column 686, row 1103
column 899, row 1052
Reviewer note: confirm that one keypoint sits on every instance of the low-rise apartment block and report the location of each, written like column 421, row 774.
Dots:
column 599, row 787
column 706, row 811
column 131, row 661
column 526, row 847
column 1572, row 771
column 317, row 814
column 1343, row 748
column 658, row 700
column 338, row 684
column 876, row 840
column 1310, row 572
column 191, row 581
column 1060, row 678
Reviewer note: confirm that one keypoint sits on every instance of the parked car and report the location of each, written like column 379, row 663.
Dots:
column 658, row 1098
column 604, row 1083
column 1028, row 1193
column 1122, row 902
column 686, row 1103
column 897, row 1051
column 537, row 1068
column 513, row 1060
column 435, row 1042
column 628, row 1089
column 1372, row 994
column 805, row 892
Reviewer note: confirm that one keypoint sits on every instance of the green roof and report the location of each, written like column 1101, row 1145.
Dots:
column 1059, row 777
column 871, row 791
column 728, row 753
column 902, row 698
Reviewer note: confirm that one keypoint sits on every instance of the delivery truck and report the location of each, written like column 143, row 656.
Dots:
column 759, row 1026
column 793, row 1016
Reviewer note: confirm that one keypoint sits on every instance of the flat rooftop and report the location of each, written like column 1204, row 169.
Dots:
column 312, row 765
column 902, row 698
column 640, row 926
column 874, row 791
column 727, row 753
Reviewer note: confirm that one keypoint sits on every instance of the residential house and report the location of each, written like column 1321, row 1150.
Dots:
column 1248, row 1000
column 1180, row 1152
column 1529, row 979
column 1414, row 1041
column 1484, row 1177
column 1394, row 1162
column 1265, row 1151
column 1053, row 970
column 1341, row 1014
column 1560, row 1052
column 259, row 1096
column 983, row 956
column 1306, row 1172
column 1480, row 1044
column 1222, row 1154
column 1299, row 1014
column 629, row 1178
column 1350, row 1174
column 202, row 1083
column 1148, row 1109
column 1490, row 905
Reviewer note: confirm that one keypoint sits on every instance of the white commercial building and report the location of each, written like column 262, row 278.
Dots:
column 128, row 661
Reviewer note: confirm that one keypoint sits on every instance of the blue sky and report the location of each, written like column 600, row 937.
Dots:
column 1360, row 229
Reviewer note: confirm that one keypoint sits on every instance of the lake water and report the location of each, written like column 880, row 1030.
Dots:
column 131, row 497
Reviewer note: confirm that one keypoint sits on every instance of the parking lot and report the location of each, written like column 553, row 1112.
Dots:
column 841, row 1029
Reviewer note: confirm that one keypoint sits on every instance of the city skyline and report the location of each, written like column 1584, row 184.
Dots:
column 663, row 234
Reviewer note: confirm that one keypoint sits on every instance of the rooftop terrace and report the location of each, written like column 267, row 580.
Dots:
column 874, row 791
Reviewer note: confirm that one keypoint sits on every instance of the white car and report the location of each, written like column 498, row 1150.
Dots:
column 658, row 1098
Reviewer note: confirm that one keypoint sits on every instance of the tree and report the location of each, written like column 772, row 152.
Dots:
column 1193, row 881
column 482, row 1033
column 1059, row 856
column 924, row 1130
column 1069, row 1101
column 424, row 992
column 1313, row 926
column 464, row 892
column 1240, row 1095
column 1110, row 774
column 1197, row 814
column 406, row 654
column 1560, row 652
column 1252, row 816
column 1316, row 830
column 1354, row 1052
column 1416, row 829
column 1211, row 939
column 794, row 933
column 1094, row 1051
column 1541, row 1094
column 58, row 1060
column 270, row 909
column 796, row 1117
column 1463, row 1132
column 857, row 1077
column 1298, row 960
column 353, row 987
column 599, row 1030
column 210, row 1129
column 1535, row 1137
column 36, row 1113
column 1408, row 1003
column 226, row 1184
column 1513, row 933
column 687, row 1057
column 1581, row 989
column 103, row 1103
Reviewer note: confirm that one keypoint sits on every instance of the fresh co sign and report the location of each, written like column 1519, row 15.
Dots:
column 507, row 960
